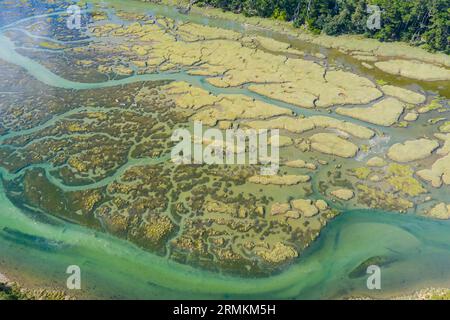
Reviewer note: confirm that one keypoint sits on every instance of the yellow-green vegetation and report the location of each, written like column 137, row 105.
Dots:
column 13, row 291
column 445, row 127
column 391, row 188
column 221, row 107
column 101, row 157
column 232, row 61
column 435, row 104
column 286, row 180
column 381, row 82
column 400, row 177
column 209, row 216
column 445, row 295
column 402, row 124
column 50, row 45
column 374, row 197
column 158, row 228
column 279, row 253
column 362, row 173
column 98, row 15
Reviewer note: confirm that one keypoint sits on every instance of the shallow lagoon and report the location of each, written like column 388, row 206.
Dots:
column 417, row 248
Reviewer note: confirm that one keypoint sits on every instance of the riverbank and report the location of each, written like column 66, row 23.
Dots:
column 345, row 43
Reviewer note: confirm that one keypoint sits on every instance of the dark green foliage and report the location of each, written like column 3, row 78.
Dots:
column 419, row 22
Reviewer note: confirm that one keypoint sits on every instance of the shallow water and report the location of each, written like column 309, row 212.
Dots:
column 111, row 268
column 419, row 249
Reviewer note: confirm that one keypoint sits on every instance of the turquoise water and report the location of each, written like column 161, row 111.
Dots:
column 419, row 249
column 113, row 268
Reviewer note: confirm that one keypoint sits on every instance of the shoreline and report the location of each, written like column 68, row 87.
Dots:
column 4, row 279
column 30, row 292
column 346, row 43
column 12, row 288
column 428, row 293
column 384, row 61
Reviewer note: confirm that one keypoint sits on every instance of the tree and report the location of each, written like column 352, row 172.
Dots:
column 420, row 22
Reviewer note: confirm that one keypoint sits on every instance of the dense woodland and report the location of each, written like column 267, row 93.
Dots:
column 419, row 22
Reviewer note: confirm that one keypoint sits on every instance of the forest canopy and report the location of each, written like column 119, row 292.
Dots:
column 423, row 23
